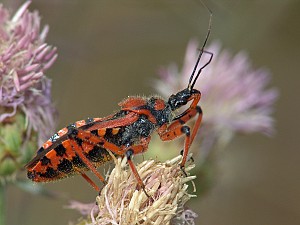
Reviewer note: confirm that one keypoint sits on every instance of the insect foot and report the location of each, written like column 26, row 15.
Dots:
column 189, row 158
column 120, row 202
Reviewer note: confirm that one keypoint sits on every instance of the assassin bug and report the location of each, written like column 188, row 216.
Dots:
column 85, row 144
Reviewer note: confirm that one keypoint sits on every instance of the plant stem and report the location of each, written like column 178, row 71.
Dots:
column 2, row 204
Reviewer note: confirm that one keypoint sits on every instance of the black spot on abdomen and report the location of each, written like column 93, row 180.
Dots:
column 65, row 166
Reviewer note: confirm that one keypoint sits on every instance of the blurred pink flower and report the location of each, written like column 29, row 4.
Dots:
column 24, row 57
column 186, row 217
column 84, row 208
column 235, row 97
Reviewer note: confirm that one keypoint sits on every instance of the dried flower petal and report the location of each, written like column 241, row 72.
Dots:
column 120, row 202
column 84, row 209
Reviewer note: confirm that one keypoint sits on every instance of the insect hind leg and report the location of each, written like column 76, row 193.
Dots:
column 77, row 148
column 77, row 135
column 89, row 181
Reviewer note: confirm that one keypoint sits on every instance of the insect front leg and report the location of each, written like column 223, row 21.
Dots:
column 178, row 128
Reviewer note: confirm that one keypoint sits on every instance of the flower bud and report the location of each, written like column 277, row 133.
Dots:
column 15, row 146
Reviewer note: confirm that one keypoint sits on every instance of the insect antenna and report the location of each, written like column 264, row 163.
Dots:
column 192, row 81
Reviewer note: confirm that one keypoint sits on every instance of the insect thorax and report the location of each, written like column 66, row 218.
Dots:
column 160, row 109
column 156, row 108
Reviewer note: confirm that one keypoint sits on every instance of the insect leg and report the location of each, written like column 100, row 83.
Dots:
column 194, row 132
column 178, row 128
column 189, row 115
column 132, row 150
column 89, row 181
column 128, row 151
column 174, row 133
column 79, row 151
column 129, row 154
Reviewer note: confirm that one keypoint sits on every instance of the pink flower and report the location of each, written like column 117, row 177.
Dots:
column 25, row 91
column 24, row 57
column 235, row 97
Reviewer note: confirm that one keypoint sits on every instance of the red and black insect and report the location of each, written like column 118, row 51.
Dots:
column 85, row 145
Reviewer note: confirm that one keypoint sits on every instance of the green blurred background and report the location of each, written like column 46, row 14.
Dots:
column 111, row 49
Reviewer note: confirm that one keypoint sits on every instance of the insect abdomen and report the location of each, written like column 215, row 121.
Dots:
column 62, row 161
